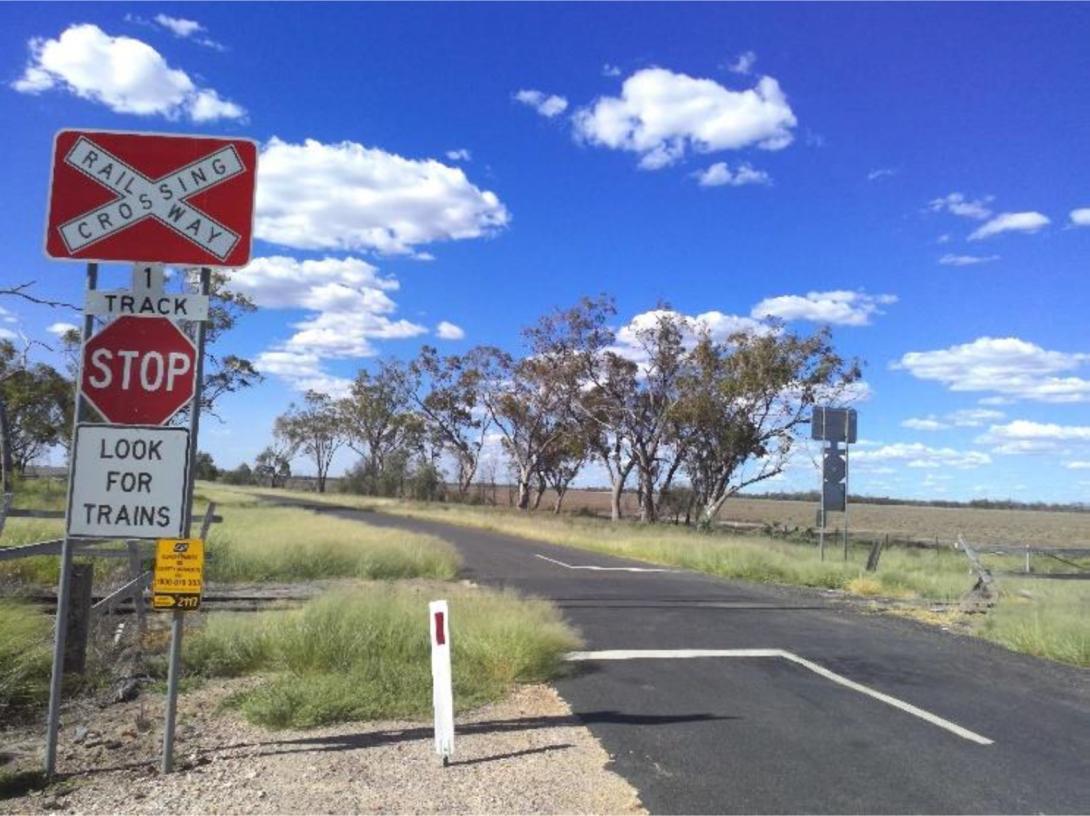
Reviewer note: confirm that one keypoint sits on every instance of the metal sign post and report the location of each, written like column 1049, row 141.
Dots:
column 832, row 426
column 176, row 624
column 60, row 630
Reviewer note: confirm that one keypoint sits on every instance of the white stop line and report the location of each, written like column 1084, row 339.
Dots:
column 139, row 197
column 673, row 654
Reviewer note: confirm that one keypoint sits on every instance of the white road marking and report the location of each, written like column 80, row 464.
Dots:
column 604, row 569
column 668, row 654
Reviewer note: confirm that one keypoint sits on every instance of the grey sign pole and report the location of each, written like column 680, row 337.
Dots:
column 178, row 617
column 847, row 476
column 64, row 594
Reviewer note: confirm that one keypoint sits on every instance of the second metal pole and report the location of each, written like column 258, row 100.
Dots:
column 178, row 617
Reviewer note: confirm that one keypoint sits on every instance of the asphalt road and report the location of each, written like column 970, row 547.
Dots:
column 764, row 735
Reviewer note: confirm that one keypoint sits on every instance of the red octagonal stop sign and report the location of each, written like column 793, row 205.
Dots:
column 139, row 370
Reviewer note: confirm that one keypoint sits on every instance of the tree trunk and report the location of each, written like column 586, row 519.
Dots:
column 559, row 499
column 524, row 494
column 541, row 487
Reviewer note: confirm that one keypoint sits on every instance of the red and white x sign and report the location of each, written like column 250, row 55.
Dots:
column 147, row 197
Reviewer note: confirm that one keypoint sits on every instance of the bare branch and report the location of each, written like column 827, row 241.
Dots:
column 20, row 291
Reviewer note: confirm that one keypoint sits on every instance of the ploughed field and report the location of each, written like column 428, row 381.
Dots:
column 979, row 526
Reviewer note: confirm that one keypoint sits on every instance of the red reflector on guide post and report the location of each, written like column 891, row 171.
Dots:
column 440, row 638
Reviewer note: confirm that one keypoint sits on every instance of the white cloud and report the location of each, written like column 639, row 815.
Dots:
column 743, row 63
column 944, row 238
column 124, row 74
column 1078, row 465
column 449, row 331
column 1080, row 217
column 918, row 455
column 838, row 307
column 611, row 70
column 881, row 173
column 958, row 204
column 349, row 304
column 928, row 424
column 949, row 259
column 719, row 175
column 661, row 114
column 1028, row 222
column 548, row 105
column 1008, row 366
column 964, row 418
column 719, row 326
column 61, row 329
column 7, row 334
column 1025, row 436
column 346, row 196
column 179, row 25
column 461, row 154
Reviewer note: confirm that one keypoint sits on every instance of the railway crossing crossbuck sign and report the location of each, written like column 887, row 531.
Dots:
column 151, row 197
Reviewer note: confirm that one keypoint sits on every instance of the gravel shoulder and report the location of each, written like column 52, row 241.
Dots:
column 525, row 754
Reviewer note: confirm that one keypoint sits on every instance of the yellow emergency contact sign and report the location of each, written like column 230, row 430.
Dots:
column 179, row 574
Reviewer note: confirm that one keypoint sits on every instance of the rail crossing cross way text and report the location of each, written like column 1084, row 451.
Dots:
column 151, row 198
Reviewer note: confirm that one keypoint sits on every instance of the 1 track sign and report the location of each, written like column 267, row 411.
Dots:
column 148, row 197
column 139, row 370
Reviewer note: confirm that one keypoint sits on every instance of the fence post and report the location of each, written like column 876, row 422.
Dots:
column 1027, row 559
column 136, row 569
column 79, row 617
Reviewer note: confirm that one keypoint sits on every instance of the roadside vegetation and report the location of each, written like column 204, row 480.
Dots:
column 24, row 658
column 1038, row 617
column 365, row 654
column 261, row 543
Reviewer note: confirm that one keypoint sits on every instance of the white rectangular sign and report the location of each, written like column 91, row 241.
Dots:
column 128, row 481
column 146, row 304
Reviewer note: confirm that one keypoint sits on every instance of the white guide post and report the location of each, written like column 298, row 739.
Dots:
column 442, row 690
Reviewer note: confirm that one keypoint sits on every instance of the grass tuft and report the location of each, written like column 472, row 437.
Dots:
column 25, row 656
column 366, row 654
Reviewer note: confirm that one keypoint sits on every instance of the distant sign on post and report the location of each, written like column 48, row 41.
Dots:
column 128, row 481
column 151, row 197
column 139, row 370
column 179, row 574
column 833, row 424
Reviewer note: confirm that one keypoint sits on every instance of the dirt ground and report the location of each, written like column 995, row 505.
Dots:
column 526, row 754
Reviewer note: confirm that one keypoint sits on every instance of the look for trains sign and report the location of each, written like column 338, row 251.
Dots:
column 150, row 197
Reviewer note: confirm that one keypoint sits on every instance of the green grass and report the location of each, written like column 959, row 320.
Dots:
column 1054, row 624
column 260, row 543
column 25, row 657
column 365, row 655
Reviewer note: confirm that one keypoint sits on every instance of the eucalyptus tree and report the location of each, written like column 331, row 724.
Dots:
column 315, row 430
column 744, row 400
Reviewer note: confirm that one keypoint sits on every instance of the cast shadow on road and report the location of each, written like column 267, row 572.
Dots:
column 544, row 749
column 370, row 739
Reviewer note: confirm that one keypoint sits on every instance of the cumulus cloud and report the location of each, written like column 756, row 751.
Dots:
column 1028, row 222
column 743, row 63
column 839, row 307
column 918, row 455
column 611, row 70
column 461, row 154
column 1080, row 217
column 928, row 424
column 719, row 326
column 1077, row 465
column 1008, row 366
column 349, row 306
column 345, row 196
column 124, row 74
column 548, row 105
column 661, row 115
column 720, row 175
column 449, row 331
column 958, row 204
column 950, row 259
column 1025, row 436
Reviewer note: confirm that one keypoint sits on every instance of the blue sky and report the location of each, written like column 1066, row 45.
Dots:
column 913, row 174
